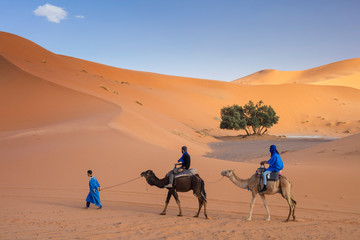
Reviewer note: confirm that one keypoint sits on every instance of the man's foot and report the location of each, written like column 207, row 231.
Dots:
column 100, row 207
column 263, row 190
column 169, row 185
column 86, row 207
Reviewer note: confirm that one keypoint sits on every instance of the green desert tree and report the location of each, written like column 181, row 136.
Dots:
column 255, row 119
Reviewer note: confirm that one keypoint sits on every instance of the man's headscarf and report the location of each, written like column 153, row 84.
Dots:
column 273, row 149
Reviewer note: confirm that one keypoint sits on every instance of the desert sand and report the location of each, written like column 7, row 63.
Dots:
column 344, row 73
column 61, row 116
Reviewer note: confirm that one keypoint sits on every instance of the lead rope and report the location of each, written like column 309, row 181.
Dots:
column 146, row 185
column 216, row 180
column 121, row 183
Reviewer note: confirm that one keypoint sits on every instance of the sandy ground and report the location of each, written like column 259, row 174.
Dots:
column 241, row 149
column 132, row 210
column 39, row 216
column 63, row 116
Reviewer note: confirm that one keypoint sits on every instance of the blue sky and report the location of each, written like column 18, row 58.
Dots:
column 212, row 39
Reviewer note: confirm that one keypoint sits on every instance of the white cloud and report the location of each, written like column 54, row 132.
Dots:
column 80, row 16
column 51, row 12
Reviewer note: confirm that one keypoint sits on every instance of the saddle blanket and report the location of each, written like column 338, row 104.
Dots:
column 273, row 176
column 186, row 172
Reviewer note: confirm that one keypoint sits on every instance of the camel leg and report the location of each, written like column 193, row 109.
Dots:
column 290, row 208
column 166, row 203
column 205, row 213
column 291, row 202
column 251, row 206
column 266, row 207
column 174, row 193
column 202, row 201
column 294, row 206
column 200, row 205
column 286, row 193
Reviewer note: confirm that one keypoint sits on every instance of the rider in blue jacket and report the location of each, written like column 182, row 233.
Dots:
column 275, row 165
column 183, row 162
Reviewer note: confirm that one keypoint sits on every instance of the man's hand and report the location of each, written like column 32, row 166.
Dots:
column 99, row 189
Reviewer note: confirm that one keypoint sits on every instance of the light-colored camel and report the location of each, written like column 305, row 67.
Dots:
column 254, row 184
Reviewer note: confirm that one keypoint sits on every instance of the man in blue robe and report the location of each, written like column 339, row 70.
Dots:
column 275, row 165
column 93, row 196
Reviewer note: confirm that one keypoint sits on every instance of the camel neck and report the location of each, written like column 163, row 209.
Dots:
column 160, row 183
column 242, row 183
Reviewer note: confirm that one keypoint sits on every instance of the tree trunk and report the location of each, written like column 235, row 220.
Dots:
column 260, row 129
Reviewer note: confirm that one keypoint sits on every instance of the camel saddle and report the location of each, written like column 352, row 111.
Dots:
column 186, row 172
column 273, row 176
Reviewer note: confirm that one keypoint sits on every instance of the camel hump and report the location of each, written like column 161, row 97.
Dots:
column 283, row 178
column 186, row 173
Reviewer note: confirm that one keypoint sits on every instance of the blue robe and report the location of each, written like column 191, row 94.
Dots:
column 94, row 196
column 275, row 162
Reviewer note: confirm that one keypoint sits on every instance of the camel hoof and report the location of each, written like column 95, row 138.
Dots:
column 267, row 219
column 196, row 216
column 180, row 215
column 248, row 219
column 163, row 213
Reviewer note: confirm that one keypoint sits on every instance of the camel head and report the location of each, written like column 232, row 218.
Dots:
column 227, row 173
column 147, row 173
column 149, row 176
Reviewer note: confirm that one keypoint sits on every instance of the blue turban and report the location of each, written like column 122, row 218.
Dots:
column 272, row 149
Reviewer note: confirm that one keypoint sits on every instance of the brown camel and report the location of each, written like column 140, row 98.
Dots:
column 182, row 184
column 283, row 186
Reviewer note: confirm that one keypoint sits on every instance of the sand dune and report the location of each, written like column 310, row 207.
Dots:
column 343, row 73
column 347, row 81
column 186, row 106
column 29, row 102
column 62, row 116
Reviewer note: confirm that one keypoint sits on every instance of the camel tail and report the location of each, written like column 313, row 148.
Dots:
column 203, row 188
column 293, row 199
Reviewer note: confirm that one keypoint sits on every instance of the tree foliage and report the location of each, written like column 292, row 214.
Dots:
column 253, row 118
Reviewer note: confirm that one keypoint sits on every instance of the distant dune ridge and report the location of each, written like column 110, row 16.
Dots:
column 61, row 116
column 343, row 73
